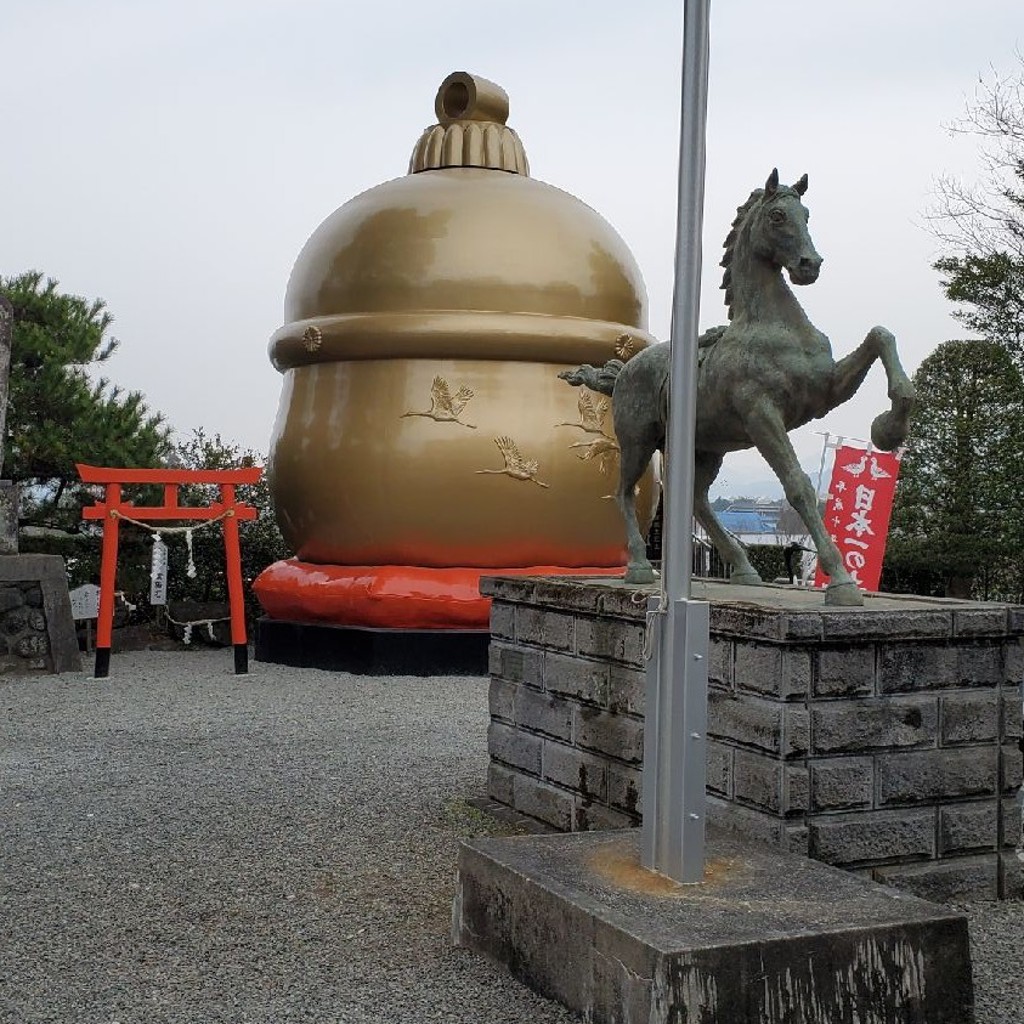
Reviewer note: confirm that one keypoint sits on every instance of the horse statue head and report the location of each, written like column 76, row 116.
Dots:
column 771, row 227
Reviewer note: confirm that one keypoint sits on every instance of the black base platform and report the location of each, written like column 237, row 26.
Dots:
column 373, row 652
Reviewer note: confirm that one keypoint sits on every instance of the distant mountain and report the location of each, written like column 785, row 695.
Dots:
column 735, row 485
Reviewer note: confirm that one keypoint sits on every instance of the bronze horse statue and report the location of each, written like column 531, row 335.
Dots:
column 767, row 372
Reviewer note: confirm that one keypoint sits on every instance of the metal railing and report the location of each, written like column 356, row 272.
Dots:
column 707, row 562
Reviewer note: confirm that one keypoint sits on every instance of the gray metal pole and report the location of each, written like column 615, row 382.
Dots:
column 675, row 748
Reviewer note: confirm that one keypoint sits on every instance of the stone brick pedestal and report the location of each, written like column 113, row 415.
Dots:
column 883, row 739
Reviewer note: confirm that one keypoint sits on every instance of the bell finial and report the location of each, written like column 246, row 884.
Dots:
column 465, row 97
column 471, row 130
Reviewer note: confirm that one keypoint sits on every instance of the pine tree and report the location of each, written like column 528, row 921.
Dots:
column 957, row 521
column 57, row 415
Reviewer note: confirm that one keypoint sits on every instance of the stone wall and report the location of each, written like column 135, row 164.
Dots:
column 885, row 740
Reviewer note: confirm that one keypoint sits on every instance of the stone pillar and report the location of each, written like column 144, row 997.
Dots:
column 9, row 492
column 6, row 341
column 10, row 497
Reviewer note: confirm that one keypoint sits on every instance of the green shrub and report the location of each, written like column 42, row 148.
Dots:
column 260, row 539
column 768, row 560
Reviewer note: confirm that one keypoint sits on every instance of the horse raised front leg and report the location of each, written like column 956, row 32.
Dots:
column 768, row 432
column 889, row 429
column 706, row 468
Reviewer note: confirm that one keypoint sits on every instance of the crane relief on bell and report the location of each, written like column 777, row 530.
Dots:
column 444, row 406
column 516, row 466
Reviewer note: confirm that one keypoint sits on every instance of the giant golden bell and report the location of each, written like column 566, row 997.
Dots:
column 422, row 421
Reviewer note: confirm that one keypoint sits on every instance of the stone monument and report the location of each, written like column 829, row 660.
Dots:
column 37, row 632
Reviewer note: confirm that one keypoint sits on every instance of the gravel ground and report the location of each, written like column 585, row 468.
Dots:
column 183, row 845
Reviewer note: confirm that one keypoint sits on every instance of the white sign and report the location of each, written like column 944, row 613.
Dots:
column 85, row 601
column 158, row 573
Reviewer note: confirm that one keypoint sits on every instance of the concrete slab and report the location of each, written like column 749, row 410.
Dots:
column 767, row 938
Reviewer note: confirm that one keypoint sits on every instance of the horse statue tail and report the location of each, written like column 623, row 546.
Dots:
column 597, row 378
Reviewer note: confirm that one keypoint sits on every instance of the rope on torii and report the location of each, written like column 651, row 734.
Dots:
column 157, row 531
column 188, row 625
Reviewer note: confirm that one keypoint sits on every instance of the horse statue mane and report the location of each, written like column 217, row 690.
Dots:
column 730, row 243
column 767, row 372
column 742, row 213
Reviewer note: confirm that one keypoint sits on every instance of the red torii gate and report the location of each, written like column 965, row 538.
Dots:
column 112, row 510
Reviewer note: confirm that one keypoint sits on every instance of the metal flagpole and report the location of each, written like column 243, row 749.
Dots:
column 675, row 748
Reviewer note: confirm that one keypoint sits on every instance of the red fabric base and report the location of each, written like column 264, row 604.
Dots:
column 388, row 596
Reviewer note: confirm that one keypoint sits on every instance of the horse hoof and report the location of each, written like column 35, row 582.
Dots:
column 639, row 574
column 843, row 595
column 746, row 579
column 888, row 432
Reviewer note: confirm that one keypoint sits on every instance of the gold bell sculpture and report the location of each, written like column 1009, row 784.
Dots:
column 424, row 438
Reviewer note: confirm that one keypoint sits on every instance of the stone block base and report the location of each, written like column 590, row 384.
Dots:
column 767, row 938
column 37, row 631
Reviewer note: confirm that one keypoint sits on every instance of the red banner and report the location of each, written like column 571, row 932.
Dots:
column 857, row 512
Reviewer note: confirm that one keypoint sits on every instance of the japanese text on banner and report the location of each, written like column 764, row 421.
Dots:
column 857, row 511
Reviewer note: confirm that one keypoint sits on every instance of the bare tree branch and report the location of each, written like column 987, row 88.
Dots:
column 987, row 217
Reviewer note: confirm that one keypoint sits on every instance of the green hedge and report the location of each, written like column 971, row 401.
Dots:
column 768, row 560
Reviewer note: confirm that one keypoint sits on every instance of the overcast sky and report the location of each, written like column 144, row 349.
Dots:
column 172, row 156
